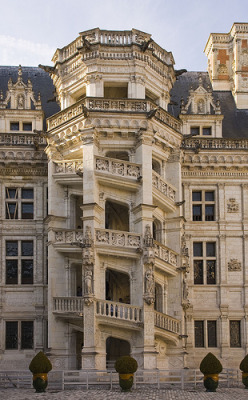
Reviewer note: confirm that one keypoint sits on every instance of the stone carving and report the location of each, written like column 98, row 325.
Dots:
column 20, row 101
column 118, row 168
column 133, row 241
column 234, row 265
column 102, row 165
column 59, row 236
column 102, row 236
column 232, row 206
column 149, row 286
column 69, row 237
column 79, row 236
column 162, row 186
column 118, row 239
column 148, row 238
column 88, row 282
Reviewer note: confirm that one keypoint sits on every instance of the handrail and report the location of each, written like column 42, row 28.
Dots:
column 117, row 310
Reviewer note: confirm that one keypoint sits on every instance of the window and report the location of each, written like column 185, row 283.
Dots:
column 203, row 205
column 14, row 126
column 195, row 130
column 19, row 262
column 235, row 334
column 207, row 131
column 204, row 259
column 19, row 334
column 205, row 334
column 27, row 126
column 19, row 203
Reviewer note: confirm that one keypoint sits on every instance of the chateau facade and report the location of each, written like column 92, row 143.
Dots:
column 124, row 218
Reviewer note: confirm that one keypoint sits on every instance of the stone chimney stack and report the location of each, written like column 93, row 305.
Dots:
column 228, row 62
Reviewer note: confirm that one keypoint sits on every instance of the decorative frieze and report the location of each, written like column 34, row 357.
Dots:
column 119, row 168
column 117, row 238
column 68, row 167
column 159, row 183
column 165, row 254
column 234, row 265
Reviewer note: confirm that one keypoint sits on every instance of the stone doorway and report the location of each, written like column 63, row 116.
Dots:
column 116, row 348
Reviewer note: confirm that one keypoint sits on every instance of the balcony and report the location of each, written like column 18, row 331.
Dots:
column 65, row 240
column 117, row 242
column 123, row 173
column 166, row 259
column 163, row 192
column 68, row 171
column 100, row 104
column 118, row 311
column 68, row 306
column 168, row 327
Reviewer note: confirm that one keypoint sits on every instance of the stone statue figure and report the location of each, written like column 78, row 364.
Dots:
column 150, row 282
column 88, row 282
column 185, row 288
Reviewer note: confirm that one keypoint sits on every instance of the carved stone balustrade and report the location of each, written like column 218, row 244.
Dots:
column 119, row 311
column 215, row 144
column 68, row 236
column 118, row 167
column 117, row 238
column 165, row 254
column 65, row 305
column 68, row 167
column 166, row 322
column 21, row 139
column 159, row 183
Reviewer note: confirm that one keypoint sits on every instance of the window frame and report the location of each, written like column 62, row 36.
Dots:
column 205, row 323
column 239, row 334
column 19, row 260
column 20, row 343
column 201, row 130
column 20, row 202
column 203, row 260
column 203, row 204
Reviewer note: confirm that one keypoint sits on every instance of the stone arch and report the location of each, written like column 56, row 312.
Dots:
column 116, row 348
column 116, row 215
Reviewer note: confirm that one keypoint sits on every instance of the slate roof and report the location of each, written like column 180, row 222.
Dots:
column 235, row 122
column 41, row 82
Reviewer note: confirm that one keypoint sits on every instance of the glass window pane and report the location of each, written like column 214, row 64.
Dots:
column 27, row 126
column 11, row 272
column 198, row 272
column 14, row 126
column 11, row 211
column 235, row 337
column 196, row 196
column 212, row 337
column 195, row 130
column 11, row 193
column 209, row 196
column 11, row 248
column 27, row 210
column 207, row 131
column 27, row 248
column 199, row 334
column 210, row 249
column 27, row 334
column 209, row 213
column 211, row 275
column 197, row 249
column 11, row 341
column 197, row 213
column 27, row 193
column 27, row 272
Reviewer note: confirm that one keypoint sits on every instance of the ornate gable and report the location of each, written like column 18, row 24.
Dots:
column 20, row 96
column 200, row 101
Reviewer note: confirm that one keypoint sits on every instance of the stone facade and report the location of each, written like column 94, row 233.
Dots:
column 146, row 226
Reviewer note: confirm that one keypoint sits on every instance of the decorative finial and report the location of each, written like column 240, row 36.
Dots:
column 20, row 71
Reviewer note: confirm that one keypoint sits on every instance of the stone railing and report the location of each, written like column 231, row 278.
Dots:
column 117, row 238
column 112, row 309
column 165, row 254
column 118, row 167
column 21, row 139
column 166, row 322
column 159, row 183
column 215, row 143
column 68, row 304
column 68, row 167
column 68, row 236
column 95, row 104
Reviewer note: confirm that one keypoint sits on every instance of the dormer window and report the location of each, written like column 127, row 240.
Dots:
column 207, row 131
column 201, row 130
column 14, row 126
column 195, row 130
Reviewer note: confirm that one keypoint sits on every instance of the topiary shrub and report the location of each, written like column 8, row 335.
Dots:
column 126, row 365
column 40, row 364
column 210, row 365
column 244, row 364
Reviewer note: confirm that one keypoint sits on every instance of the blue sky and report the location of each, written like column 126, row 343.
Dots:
column 31, row 30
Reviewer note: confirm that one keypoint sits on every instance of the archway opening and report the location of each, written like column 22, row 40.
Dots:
column 119, row 155
column 117, row 286
column 116, row 216
column 158, row 305
column 116, row 348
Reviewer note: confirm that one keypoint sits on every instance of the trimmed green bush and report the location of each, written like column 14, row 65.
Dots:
column 244, row 364
column 210, row 365
column 40, row 364
column 126, row 365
